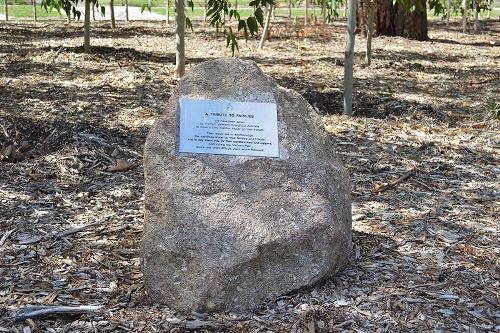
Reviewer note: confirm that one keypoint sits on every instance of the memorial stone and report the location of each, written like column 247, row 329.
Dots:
column 245, row 199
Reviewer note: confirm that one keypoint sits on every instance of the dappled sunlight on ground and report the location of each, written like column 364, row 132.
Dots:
column 426, row 247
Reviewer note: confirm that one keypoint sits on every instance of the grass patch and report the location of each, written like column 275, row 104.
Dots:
column 244, row 12
column 27, row 11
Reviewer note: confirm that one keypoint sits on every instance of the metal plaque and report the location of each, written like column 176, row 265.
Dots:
column 226, row 127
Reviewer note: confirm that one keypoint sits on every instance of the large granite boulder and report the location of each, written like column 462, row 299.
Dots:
column 224, row 232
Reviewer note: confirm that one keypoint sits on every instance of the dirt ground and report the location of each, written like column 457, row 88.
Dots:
column 422, row 150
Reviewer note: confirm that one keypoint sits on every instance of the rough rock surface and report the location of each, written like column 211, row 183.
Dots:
column 227, row 232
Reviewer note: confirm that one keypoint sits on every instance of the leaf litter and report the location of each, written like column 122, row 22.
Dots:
column 422, row 151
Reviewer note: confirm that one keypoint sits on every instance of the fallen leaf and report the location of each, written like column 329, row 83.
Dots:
column 25, row 146
column 121, row 166
column 7, row 152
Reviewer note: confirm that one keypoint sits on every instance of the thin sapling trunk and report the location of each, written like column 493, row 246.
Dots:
column 34, row 11
column 266, row 28
column 306, row 12
column 86, row 27
column 476, row 15
column 464, row 17
column 167, row 7
column 448, row 5
column 180, row 59
column 324, row 11
column 6, row 9
column 112, row 13
column 368, row 57
column 349, row 58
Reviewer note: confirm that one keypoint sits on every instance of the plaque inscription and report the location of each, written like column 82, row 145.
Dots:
column 226, row 127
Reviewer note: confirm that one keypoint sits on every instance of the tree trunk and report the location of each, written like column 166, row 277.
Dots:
column 349, row 58
column 86, row 26
column 464, row 16
column 68, row 18
column 324, row 11
column 112, row 13
column 126, row 10
column 266, row 29
column 362, row 14
column 368, row 58
column 448, row 5
column 93, row 13
column 6, row 9
column 167, row 13
column 476, row 15
column 236, row 4
column 391, row 19
column 205, row 12
column 180, row 59
column 289, row 8
column 306, row 12
column 34, row 10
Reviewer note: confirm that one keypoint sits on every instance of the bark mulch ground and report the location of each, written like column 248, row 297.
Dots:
column 422, row 149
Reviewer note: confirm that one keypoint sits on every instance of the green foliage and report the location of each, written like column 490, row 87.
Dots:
column 145, row 6
column 189, row 24
column 495, row 110
column 439, row 7
column 69, row 7
column 220, row 13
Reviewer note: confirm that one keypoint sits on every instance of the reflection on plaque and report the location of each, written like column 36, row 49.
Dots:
column 226, row 127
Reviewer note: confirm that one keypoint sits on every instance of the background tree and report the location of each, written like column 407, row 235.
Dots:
column 349, row 58
column 448, row 8
column 221, row 13
column 86, row 25
column 70, row 7
column 180, row 58
column 6, row 10
column 369, row 33
column 167, row 7
column 465, row 12
column 406, row 18
column 306, row 11
column 34, row 10
column 112, row 13
column 266, row 27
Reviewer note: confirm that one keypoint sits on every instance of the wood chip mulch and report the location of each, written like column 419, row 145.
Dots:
column 422, row 150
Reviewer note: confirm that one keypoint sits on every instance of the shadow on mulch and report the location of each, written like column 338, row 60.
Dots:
column 38, row 130
column 364, row 105
column 486, row 26
column 14, row 31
